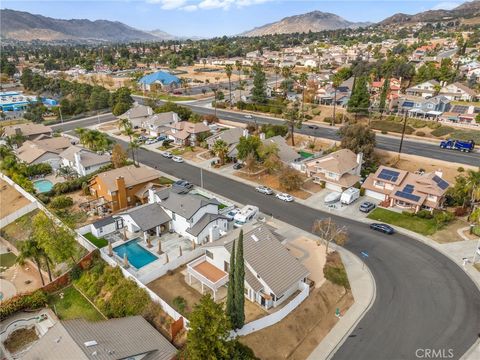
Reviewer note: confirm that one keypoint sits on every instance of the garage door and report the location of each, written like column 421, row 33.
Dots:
column 375, row 195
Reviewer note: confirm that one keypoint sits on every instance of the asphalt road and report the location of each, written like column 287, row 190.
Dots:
column 423, row 301
column 390, row 143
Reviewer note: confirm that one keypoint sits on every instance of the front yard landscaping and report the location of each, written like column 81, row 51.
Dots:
column 20, row 339
column 98, row 242
column 70, row 304
column 7, row 260
column 419, row 225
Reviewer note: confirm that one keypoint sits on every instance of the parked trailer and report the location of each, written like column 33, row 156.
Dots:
column 245, row 215
column 350, row 195
column 460, row 145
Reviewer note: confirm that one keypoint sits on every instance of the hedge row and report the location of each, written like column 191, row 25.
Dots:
column 32, row 301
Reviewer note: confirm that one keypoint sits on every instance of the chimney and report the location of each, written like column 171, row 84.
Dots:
column 359, row 162
column 439, row 173
column 121, row 193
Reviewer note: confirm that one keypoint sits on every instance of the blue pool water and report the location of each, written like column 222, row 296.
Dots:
column 43, row 186
column 137, row 255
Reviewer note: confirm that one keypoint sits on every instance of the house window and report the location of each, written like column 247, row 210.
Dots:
column 100, row 230
column 209, row 254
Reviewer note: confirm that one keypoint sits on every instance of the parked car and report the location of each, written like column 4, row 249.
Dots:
column 387, row 229
column 231, row 214
column 161, row 137
column 177, row 159
column 183, row 183
column 264, row 190
column 367, row 206
column 150, row 141
column 237, row 166
column 167, row 154
column 142, row 138
column 284, row 197
column 248, row 117
column 313, row 127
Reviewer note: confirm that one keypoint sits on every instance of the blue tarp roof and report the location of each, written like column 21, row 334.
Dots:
column 161, row 76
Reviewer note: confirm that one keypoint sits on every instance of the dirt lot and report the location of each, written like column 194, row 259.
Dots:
column 449, row 233
column 202, row 76
column 413, row 163
column 303, row 142
column 10, row 199
column 272, row 181
column 311, row 255
column 301, row 331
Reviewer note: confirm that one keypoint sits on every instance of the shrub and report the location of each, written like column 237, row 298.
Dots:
column 316, row 111
column 460, row 169
column 391, row 126
column 362, row 191
column 420, row 133
column 334, row 270
column 38, row 169
column 76, row 272
column 179, row 303
column 308, row 117
column 442, row 218
column 61, row 202
column 32, row 301
column 291, row 179
column 43, row 198
column 384, row 132
column 442, row 131
column 424, row 214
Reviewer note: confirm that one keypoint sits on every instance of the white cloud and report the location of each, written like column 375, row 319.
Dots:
column 192, row 5
column 446, row 5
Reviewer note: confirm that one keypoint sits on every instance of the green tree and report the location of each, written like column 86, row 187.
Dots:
column 209, row 331
column 248, row 145
column 359, row 139
column 302, row 79
column 239, row 296
column 259, row 90
column 30, row 249
column 383, row 96
column 58, row 242
column 120, row 101
column 360, row 99
column 230, row 304
column 119, row 156
column 290, row 179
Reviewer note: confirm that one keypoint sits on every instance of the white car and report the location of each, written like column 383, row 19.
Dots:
column 177, row 159
column 150, row 141
column 248, row 116
column 264, row 190
column 284, row 197
column 167, row 154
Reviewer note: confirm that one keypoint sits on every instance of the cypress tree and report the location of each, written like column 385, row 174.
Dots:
column 230, row 307
column 239, row 284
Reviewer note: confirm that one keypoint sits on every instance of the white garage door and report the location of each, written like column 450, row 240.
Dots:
column 375, row 195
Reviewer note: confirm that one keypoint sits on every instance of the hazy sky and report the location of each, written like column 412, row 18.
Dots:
column 209, row 18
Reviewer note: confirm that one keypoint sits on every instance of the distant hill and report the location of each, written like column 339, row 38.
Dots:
column 23, row 26
column 466, row 10
column 314, row 21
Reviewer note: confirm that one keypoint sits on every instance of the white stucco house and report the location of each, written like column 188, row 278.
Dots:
column 83, row 161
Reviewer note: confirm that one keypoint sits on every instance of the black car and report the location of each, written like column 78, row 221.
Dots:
column 237, row 166
column 367, row 207
column 387, row 229
column 183, row 184
column 314, row 127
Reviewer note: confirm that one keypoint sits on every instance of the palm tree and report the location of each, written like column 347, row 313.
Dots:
column 204, row 61
column 303, row 81
column 277, row 70
column 286, row 73
column 31, row 250
column 220, row 149
column 228, row 71
column 472, row 186
column 134, row 145
column 238, row 65
column 126, row 127
column 336, row 83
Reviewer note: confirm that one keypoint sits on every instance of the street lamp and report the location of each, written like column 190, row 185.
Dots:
column 403, row 134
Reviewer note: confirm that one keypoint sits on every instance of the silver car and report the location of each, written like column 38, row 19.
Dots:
column 264, row 190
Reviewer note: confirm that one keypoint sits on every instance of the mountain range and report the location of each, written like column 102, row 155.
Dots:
column 23, row 26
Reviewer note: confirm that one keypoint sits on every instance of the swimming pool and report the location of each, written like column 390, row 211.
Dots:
column 43, row 186
column 137, row 255
column 305, row 155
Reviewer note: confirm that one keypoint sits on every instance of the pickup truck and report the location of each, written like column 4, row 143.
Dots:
column 460, row 145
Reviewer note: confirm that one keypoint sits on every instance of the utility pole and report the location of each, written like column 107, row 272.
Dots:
column 60, row 111
column 201, row 177
column 403, row 133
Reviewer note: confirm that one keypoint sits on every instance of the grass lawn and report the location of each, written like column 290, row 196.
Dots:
column 413, row 223
column 175, row 98
column 73, row 305
column 7, row 260
column 100, row 243
column 162, row 180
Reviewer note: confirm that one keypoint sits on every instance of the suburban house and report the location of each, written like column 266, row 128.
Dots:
column 159, row 123
column 137, row 115
column 376, row 87
column 338, row 170
column 425, row 89
column 30, row 131
column 159, row 80
column 83, row 161
column 190, row 215
column 421, row 107
column 45, row 150
column 231, row 137
column 123, row 338
column 186, row 133
column 458, row 91
column 124, row 187
column 327, row 95
column 463, row 114
column 399, row 188
column 286, row 154
column 272, row 274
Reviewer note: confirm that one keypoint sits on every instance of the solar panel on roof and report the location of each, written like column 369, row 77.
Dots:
column 388, row 175
column 407, row 196
column 408, row 104
column 442, row 184
column 408, row 189
column 459, row 109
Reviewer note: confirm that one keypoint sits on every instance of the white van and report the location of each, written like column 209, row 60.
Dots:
column 245, row 215
column 350, row 195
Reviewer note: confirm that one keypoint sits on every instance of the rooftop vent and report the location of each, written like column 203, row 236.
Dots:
column 254, row 237
column 90, row 343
